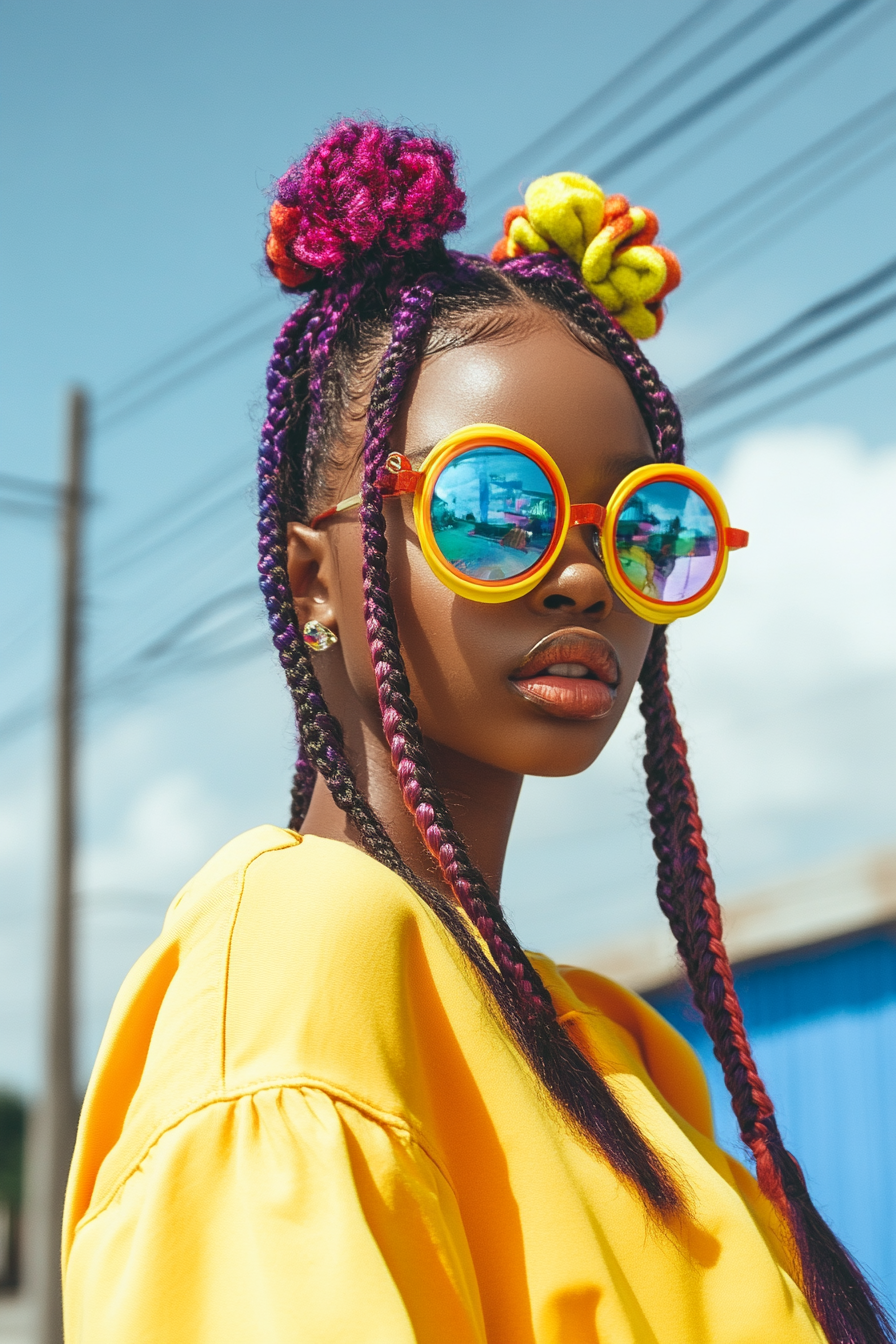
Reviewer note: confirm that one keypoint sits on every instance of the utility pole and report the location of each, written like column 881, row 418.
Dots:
column 55, row 1136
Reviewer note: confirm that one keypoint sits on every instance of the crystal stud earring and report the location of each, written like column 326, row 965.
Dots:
column 318, row 637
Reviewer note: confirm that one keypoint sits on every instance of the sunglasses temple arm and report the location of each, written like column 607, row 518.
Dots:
column 401, row 480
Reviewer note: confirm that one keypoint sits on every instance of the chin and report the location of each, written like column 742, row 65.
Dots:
column 568, row 751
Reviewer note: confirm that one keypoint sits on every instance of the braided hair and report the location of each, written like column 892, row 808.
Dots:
column 358, row 226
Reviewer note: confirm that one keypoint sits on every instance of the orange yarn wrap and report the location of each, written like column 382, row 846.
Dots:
column 611, row 242
column 284, row 228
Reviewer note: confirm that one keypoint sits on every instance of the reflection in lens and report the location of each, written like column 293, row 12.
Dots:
column 666, row 541
column 492, row 513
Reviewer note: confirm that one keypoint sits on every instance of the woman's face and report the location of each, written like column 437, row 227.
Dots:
column 536, row 685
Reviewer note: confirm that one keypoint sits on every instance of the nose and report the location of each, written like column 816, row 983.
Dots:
column 575, row 583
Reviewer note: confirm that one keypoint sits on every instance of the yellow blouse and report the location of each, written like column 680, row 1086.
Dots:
column 305, row 1126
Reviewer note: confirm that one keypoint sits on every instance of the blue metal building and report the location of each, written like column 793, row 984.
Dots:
column 815, row 966
column 822, row 1022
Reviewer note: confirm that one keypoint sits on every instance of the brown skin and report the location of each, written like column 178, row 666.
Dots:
column 483, row 736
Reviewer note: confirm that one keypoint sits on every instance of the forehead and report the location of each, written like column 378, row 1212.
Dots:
column 538, row 379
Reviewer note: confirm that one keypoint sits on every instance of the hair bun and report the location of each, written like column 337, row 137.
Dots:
column 610, row 241
column 363, row 189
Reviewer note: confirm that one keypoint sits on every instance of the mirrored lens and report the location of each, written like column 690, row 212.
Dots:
column 493, row 513
column 666, row 541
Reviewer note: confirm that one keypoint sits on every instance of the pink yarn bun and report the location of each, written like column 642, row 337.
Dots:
column 360, row 190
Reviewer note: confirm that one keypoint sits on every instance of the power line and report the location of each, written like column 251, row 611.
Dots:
column 672, row 83
column 26, row 485
column 748, row 245
column 875, row 312
column 164, row 361
column 213, row 360
column 196, row 652
column 185, row 625
column 720, row 216
column 833, row 378
column 120, row 558
column 522, row 158
column 28, row 509
column 721, row 94
column 770, row 100
column 668, row 84
column 734, row 85
column 841, row 298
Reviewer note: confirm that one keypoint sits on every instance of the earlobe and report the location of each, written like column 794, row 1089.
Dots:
column 308, row 557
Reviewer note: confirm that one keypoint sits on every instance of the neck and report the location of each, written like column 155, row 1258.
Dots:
column 482, row 801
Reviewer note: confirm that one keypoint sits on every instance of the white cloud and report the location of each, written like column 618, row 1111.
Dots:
column 169, row 830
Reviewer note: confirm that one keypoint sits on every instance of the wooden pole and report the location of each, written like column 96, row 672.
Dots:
column 56, row 1133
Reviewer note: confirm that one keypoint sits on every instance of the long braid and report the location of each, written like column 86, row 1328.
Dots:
column 320, row 734
column 837, row 1291
column 687, row 896
column 301, row 351
column 526, row 1004
column 835, row 1287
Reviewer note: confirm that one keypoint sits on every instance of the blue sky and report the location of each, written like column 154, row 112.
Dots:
column 139, row 143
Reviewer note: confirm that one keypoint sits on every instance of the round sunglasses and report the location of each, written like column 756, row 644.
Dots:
column 492, row 512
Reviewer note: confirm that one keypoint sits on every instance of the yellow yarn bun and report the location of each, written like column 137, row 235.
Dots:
column 610, row 241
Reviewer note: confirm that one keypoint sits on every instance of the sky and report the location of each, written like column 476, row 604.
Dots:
column 139, row 144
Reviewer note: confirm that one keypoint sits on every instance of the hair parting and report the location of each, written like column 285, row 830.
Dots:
column 360, row 223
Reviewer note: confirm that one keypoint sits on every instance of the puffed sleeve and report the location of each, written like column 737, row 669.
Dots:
column 285, row 1215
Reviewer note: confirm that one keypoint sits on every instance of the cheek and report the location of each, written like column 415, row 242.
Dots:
column 443, row 680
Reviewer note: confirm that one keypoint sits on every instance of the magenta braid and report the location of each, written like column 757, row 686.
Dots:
column 566, row 1073
column 839, row 1295
column 837, row 1291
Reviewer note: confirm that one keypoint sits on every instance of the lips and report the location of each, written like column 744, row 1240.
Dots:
column 570, row 675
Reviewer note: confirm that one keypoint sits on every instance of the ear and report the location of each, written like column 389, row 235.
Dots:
column 308, row 564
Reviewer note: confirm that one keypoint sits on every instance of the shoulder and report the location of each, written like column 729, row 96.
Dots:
column 308, row 919
column 668, row 1059
column 332, row 958
column 318, row 921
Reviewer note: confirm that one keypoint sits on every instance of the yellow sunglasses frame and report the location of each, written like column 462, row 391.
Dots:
column 400, row 478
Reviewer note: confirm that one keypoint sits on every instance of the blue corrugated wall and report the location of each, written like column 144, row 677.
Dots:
column 823, row 1026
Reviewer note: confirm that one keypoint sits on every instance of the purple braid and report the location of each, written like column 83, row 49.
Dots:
column 320, row 734
column 837, row 1291
column 321, row 749
column 567, row 1074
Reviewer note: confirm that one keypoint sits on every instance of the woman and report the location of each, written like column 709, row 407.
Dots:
column 336, row 1100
